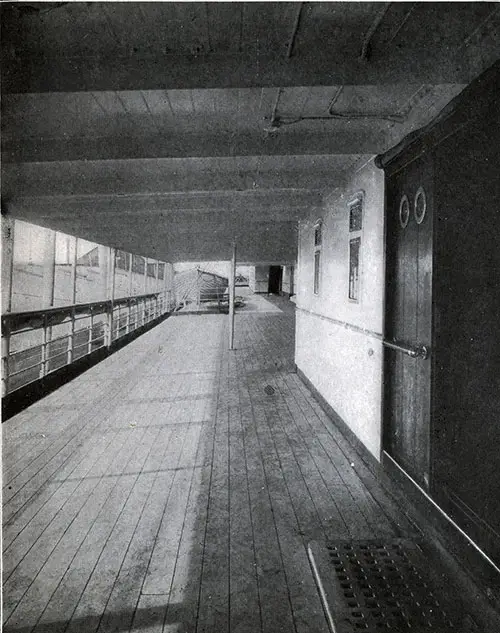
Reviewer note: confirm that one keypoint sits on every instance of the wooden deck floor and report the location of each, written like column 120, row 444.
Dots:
column 166, row 490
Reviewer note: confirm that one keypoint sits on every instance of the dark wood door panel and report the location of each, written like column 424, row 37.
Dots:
column 409, row 320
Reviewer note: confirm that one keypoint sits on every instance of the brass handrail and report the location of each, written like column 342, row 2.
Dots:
column 414, row 352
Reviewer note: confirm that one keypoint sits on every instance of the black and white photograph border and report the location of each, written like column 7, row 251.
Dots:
column 250, row 294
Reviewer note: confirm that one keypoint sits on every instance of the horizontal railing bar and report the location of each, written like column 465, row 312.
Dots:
column 129, row 313
column 75, row 309
column 20, row 371
column 63, row 353
column 413, row 352
column 63, row 337
column 27, row 349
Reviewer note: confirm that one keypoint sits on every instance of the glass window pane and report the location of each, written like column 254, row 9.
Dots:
column 138, row 264
column 317, row 256
column 63, row 283
column 30, row 242
column 317, row 234
column 354, row 252
column 90, row 273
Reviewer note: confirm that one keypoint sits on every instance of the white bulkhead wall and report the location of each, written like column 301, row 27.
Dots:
column 338, row 341
column 261, row 279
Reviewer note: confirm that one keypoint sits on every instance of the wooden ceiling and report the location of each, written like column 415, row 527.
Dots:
column 171, row 128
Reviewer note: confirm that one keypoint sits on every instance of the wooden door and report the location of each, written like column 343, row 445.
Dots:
column 409, row 319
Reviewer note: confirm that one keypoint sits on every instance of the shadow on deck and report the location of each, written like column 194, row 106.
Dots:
column 176, row 485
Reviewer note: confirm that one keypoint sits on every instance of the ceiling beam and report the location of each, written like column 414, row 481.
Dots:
column 331, row 137
column 120, row 178
column 319, row 67
column 144, row 208
column 179, row 241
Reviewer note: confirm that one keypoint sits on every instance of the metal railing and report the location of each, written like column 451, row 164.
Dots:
column 38, row 342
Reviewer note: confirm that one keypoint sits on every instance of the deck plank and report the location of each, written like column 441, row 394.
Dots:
column 171, row 493
column 245, row 614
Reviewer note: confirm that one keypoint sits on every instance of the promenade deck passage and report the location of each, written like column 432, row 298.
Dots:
column 166, row 490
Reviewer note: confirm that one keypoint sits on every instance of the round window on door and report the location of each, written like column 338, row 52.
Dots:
column 420, row 205
column 404, row 211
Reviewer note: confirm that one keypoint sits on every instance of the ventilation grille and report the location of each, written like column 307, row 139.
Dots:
column 375, row 586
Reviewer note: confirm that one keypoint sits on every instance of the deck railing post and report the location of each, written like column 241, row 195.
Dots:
column 8, row 226
column 73, row 301
column 232, row 275
column 5, row 359
column 111, row 296
column 45, row 338
column 198, row 289
column 71, row 338
column 49, row 275
column 91, row 332
column 129, row 314
column 156, row 288
column 145, row 290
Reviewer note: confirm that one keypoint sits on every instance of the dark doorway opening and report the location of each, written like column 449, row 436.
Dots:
column 275, row 279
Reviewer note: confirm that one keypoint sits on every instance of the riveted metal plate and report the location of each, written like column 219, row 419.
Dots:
column 375, row 586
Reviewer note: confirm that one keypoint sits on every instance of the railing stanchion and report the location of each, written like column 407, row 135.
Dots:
column 231, row 297
column 43, row 364
column 91, row 332
column 71, row 337
column 5, row 359
column 111, row 294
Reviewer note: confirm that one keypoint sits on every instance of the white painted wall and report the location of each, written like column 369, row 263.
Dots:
column 338, row 342
column 287, row 284
column 261, row 279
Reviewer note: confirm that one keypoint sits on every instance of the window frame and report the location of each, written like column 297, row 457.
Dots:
column 355, row 244
column 318, row 243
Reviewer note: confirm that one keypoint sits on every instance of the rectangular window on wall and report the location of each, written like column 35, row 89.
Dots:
column 317, row 257
column 355, row 238
column 151, row 282
column 356, row 215
column 317, row 234
column 63, row 276
column 137, row 281
column 318, row 238
column 122, row 260
column 29, row 268
column 90, row 280
column 354, row 247
column 138, row 264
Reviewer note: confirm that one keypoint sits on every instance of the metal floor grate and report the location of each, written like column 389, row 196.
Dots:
column 376, row 586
